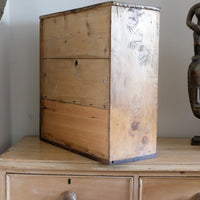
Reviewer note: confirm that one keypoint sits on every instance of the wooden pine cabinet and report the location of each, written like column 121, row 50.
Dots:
column 36, row 170
column 99, row 81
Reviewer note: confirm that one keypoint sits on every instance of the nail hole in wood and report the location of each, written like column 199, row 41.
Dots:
column 76, row 62
column 69, row 181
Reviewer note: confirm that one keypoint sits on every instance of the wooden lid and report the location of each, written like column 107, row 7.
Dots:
column 109, row 3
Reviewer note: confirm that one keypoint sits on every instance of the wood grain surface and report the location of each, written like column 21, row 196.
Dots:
column 174, row 155
column 77, row 35
column 77, row 127
column 80, row 81
column 40, row 187
column 169, row 188
column 134, row 82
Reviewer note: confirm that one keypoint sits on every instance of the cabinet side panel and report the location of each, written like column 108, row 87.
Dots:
column 134, row 80
column 76, row 127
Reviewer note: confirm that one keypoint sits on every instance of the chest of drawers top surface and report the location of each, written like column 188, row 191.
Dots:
column 174, row 155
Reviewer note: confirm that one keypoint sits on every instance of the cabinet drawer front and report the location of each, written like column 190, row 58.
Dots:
column 80, row 81
column 40, row 187
column 169, row 188
column 81, row 34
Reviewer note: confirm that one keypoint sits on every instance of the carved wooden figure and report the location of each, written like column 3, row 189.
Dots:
column 194, row 68
column 99, row 74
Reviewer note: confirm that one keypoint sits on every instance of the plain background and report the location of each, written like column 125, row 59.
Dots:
column 19, row 67
column 5, row 123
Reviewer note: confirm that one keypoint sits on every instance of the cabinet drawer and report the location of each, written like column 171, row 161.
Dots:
column 40, row 187
column 79, row 34
column 169, row 188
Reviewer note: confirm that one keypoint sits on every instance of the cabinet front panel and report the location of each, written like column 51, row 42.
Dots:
column 80, row 128
column 80, row 81
column 43, row 187
column 169, row 188
column 81, row 34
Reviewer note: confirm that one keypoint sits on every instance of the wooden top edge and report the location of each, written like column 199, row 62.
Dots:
column 110, row 3
column 128, row 5
column 174, row 155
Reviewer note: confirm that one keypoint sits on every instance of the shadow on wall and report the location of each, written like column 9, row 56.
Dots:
column 24, row 68
column 5, row 124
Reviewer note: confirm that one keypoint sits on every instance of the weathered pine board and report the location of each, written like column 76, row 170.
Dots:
column 134, row 80
column 80, row 81
column 77, row 35
column 76, row 127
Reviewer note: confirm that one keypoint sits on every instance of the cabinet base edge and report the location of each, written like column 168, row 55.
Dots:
column 134, row 159
column 75, row 151
column 114, row 162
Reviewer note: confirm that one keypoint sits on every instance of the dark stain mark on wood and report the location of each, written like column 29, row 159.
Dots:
column 130, row 29
column 146, row 130
column 131, row 133
column 137, row 39
column 143, row 54
column 134, row 125
column 55, row 20
column 45, row 74
column 88, row 27
column 133, row 19
column 145, row 140
column 51, row 109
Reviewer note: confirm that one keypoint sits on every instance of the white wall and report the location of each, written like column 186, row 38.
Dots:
column 5, row 133
column 176, row 48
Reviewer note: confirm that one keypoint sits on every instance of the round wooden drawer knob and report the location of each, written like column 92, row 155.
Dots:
column 68, row 195
column 196, row 196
